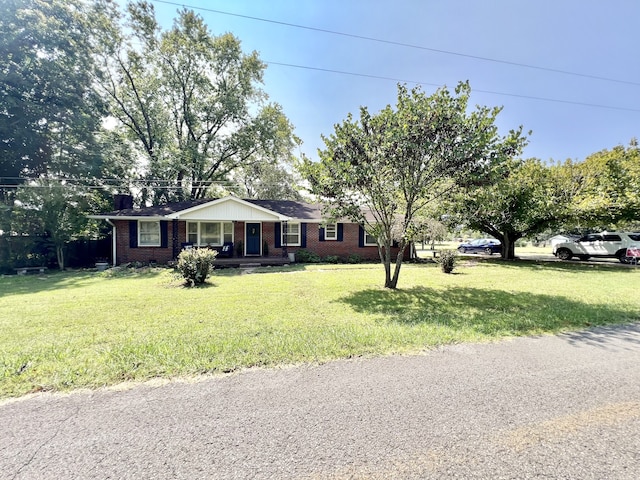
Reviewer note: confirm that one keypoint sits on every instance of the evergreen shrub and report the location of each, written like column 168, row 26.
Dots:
column 447, row 260
column 354, row 258
column 305, row 256
column 195, row 264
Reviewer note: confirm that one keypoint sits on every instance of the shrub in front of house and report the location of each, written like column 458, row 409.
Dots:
column 196, row 264
column 354, row 258
column 447, row 260
column 305, row 256
column 332, row 259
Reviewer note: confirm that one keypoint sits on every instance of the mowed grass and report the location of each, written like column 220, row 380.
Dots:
column 88, row 329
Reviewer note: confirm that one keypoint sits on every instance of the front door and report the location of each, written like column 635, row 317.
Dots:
column 252, row 238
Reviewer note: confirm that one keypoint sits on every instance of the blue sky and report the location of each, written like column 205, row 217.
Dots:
column 589, row 38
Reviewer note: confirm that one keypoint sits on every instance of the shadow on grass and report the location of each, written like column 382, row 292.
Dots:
column 235, row 271
column 488, row 312
column 551, row 265
column 26, row 284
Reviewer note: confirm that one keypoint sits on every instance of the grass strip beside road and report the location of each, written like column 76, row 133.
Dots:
column 87, row 329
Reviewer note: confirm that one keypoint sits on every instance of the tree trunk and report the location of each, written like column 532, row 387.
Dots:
column 385, row 257
column 388, row 282
column 509, row 240
column 396, row 273
column 60, row 256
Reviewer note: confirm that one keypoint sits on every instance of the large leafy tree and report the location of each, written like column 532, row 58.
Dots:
column 521, row 199
column 53, row 212
column 429, row 229
column 265, row 180
column 382, row 169
column 190, row 101
column 607, row 186
column 49, row 112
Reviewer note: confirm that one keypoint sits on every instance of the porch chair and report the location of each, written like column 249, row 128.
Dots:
column 226, row 250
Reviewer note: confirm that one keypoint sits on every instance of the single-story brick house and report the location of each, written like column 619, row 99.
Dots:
column 233, row 226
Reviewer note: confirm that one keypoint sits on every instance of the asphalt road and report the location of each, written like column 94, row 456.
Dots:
column 564, row 406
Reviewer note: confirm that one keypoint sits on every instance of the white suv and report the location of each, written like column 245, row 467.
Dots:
column 604, row 244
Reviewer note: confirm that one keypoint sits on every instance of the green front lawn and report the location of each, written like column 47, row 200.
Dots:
column 88, row 329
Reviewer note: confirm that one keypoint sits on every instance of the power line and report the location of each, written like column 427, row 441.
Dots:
column 117, row 180
column 417, row 82
column 111, row 183
column 529, row 97
column 401, row 44
column 343, row 72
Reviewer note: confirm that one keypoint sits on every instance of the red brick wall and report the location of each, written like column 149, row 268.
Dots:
column 238, row 236
column 126, row 254
column 343, row 249
column 348, row 246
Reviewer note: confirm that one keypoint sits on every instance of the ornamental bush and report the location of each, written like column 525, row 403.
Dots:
column 354, row 258
column 447, row 260
column 305, row 256
column 195, row 264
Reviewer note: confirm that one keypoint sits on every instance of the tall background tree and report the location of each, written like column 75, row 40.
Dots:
column 50, row 120
column 429, row 229
column 382, row 169
column 607, row 188
column 49, row 111
column 519, row 199
column 268, row 181
column 52, row 212
column 190, row 101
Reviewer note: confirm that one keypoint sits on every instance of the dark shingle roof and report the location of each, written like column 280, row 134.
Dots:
column 156, row 211
column 290, row 208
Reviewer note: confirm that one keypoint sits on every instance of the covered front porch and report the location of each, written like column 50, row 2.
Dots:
column 242, row 232
column 245, row 262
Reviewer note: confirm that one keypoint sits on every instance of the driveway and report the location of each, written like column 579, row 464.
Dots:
column 565, row 406
column 549, row 257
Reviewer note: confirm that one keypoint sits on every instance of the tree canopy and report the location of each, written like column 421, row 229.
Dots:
column 54, row 212
column 190, row 102
column 49, row 111
column 521, row 199
column 606, row 186
column 381, row 169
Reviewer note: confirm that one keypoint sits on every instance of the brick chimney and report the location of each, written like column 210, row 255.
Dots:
column 122, row 202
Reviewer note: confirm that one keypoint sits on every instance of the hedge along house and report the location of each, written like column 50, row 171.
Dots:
column 237, row 228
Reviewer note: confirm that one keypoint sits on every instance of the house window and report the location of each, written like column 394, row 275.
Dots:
column 331, row 231
column 192, row 233
column 291, row 234
column 227, row 233
column 209, row 233
column 370, row 240
column 149, row 234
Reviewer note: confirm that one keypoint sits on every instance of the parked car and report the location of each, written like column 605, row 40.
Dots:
column 601, row 245
column 488, row 246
